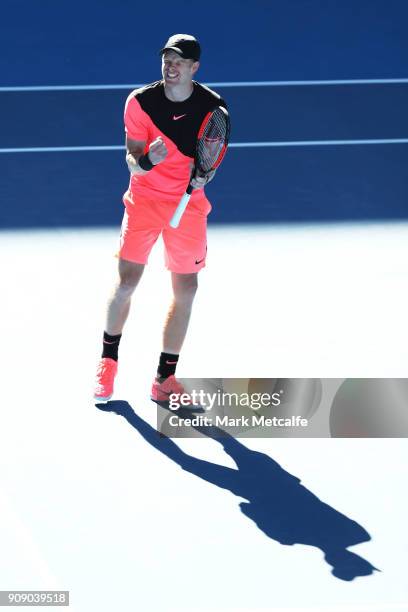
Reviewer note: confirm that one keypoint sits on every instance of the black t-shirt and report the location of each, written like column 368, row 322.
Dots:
column 148, row 114
column 180, row 121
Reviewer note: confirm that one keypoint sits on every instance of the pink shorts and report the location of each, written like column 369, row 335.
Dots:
column 145, row 219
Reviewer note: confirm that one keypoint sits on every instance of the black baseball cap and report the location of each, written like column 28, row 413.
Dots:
column 185, row 45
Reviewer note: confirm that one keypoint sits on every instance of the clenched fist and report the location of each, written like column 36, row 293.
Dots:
column 157, row 151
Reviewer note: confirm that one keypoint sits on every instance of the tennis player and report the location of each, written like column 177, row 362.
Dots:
column 162, row 121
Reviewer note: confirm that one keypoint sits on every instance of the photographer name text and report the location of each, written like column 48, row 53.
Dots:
column 241, row 421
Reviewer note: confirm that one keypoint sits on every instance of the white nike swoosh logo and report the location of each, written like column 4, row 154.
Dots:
column 175, row 117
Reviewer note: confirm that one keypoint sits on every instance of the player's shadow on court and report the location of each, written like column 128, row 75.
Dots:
column 278, row 503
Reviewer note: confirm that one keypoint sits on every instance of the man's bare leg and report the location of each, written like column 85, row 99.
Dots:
column 174, row 333
column 117, row 312
column 118, row 307
column 175, row 327
column 178, row 316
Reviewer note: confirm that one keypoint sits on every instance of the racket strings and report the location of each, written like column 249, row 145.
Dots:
column 212, row 141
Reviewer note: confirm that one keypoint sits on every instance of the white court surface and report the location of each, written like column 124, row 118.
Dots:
column 89, row 506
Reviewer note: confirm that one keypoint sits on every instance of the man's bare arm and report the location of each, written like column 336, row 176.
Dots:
column 134, row 151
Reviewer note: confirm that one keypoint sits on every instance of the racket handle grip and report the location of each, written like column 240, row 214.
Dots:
column 175, row 220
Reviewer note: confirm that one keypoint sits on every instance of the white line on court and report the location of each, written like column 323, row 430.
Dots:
column 403, row 607
column 214, row 84
column 313, row 143
column 237, row 145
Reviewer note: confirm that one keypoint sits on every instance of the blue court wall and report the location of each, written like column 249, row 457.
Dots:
column 44, row 42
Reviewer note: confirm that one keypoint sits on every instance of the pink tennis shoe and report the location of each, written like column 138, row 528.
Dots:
column 105, row 376
column 171, row 392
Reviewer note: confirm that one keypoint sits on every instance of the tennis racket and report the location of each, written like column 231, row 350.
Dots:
column 212, row 143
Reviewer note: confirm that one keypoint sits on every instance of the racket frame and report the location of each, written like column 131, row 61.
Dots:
column 178, row 213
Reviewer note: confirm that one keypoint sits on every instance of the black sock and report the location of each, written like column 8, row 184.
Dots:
column 167, row 365
column 111, row 346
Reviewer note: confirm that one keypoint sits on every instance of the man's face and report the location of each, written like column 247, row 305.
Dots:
column 177, row 70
